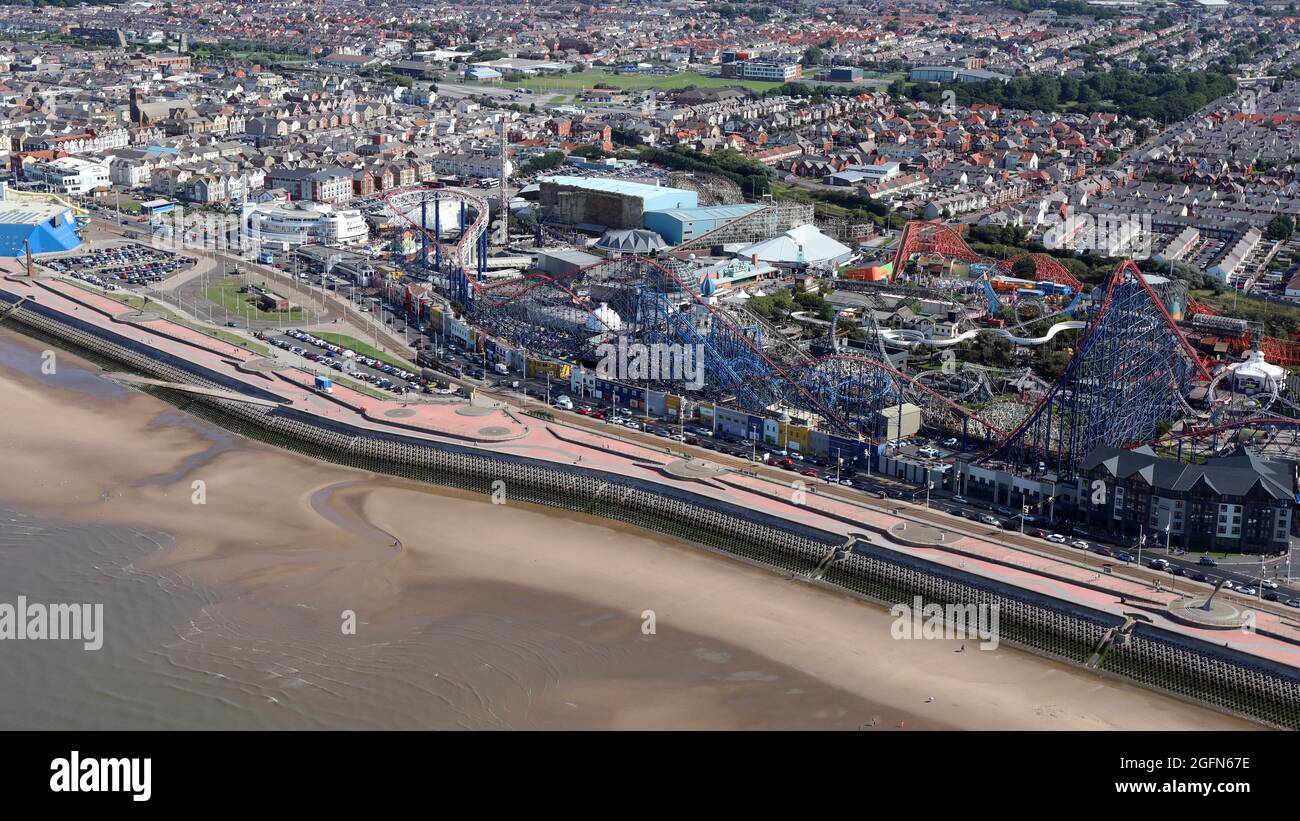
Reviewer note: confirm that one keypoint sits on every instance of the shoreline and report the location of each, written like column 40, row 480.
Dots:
column 602, row 564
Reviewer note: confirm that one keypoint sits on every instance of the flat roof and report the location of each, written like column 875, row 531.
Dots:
column 624, row 187
column 29, row 213
column 707, row 212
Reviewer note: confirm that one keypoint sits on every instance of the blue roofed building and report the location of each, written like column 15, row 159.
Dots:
column 482, row 74
column 678, row 225
column 608, row 202
column 48, row 228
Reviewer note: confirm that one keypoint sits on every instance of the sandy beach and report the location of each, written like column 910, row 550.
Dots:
column 541, row 610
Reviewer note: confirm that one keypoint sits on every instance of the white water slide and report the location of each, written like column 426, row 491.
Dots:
column 913, row 339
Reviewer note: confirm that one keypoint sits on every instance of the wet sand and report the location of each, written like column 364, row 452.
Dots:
column 471, row 614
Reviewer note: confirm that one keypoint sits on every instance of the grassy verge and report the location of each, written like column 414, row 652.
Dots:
column 152, row 306
column 225, row 292
column 354, row 344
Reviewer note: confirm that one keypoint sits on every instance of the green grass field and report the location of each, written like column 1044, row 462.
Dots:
column 152, row 306
column 632, row 82
column 225, row 293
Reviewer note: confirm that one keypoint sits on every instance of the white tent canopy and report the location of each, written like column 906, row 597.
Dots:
column 802, row 245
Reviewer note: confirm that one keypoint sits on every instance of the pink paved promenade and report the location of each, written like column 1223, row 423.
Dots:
column 493, row 428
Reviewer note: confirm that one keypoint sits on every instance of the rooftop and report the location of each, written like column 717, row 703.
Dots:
column 625, row 187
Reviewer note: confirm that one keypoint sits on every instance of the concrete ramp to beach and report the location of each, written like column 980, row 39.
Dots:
column 133, row 379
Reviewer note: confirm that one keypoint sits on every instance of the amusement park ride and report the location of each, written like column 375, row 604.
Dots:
column 1127, row 384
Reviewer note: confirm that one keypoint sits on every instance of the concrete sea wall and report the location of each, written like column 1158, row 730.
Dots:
column 1179, row 665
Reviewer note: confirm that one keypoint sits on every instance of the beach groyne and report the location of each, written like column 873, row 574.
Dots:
column 1180, row 665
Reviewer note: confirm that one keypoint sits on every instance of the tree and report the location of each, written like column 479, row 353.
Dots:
column 812, row 56
column 1280, row 227
column 1025, row 268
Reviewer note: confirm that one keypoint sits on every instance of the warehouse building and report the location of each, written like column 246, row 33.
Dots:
column 47, row 228
column 680, row 225
column 954, row 74
column 601, row 202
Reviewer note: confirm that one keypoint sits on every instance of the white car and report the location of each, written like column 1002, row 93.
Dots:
column 1080, row 543
column 1246, row 590
column 1268, row 583
column 1056, row 537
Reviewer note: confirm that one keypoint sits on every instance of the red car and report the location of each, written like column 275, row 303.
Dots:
column 810, row 472
column 598, row 415
column 582, row 411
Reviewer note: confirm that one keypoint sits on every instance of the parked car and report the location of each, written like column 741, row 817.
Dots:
column 1158, row 564
column 1081, row 544
column 992, row 521
column 1206, row 561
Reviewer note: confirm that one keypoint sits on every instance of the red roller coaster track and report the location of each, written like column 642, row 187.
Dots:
column 920, row 237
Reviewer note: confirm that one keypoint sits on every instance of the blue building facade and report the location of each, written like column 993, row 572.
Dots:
column 678, row 225
column 47, row 228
